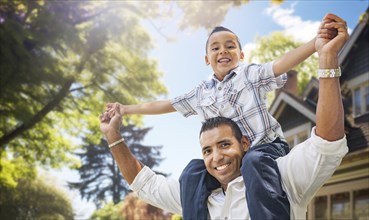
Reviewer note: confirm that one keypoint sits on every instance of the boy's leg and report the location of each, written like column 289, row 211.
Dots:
column 196, row 185
column 265, row 196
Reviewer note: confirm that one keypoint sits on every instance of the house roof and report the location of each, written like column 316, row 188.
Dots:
column 276, row 109
column 357, row 131
column 364, row 18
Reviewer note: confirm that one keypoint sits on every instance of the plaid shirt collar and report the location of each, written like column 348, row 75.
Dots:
column 232, row 73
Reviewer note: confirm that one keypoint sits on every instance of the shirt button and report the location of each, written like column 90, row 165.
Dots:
column 221, row 106
column 219, row 88
column 235, row 90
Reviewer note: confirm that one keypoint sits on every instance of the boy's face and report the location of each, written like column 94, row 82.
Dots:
column 223, row 53
column 223, row 153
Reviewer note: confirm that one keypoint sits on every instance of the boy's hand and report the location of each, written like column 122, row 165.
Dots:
column 111, row 124
column 332, row 35
column 111, row 108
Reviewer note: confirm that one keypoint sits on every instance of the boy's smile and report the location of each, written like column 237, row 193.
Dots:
column 223, row 53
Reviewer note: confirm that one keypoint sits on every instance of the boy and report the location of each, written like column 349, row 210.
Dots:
column 237, row 91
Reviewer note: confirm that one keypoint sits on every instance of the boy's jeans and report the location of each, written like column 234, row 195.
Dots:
column 265, row 196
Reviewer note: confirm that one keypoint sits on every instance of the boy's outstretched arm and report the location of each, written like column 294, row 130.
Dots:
column 149, row 108
column 293, row 58
column 298, row 55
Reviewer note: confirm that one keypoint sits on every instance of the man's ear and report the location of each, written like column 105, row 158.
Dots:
column 245, row 142
column 207, row 60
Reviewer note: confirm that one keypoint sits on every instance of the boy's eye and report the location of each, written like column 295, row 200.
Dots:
column 231, row 47
column 214, row 48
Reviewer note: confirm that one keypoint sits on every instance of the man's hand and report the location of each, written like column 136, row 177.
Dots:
column 111, row 121
column 332, row 35
column 110, row 108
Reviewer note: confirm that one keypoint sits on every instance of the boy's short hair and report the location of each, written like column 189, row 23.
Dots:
column 212, row 123
column 218, row 29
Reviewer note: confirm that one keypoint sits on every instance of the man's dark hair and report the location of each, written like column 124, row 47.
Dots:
column 212, row 123
column 218, row 29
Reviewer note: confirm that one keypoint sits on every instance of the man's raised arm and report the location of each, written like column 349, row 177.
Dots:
column 129, row 166
column 329, row 113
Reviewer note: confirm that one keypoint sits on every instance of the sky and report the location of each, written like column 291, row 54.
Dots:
column 183, row 66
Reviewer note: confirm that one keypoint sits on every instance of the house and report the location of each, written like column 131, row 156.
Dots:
column 346, row 194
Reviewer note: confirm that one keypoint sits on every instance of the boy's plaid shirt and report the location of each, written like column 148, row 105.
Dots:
column 241, row 97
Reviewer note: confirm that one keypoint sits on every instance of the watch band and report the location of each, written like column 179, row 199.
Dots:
column 329, row 73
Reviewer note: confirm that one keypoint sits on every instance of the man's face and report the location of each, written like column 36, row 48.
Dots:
column 223, row 153
column 223, row 53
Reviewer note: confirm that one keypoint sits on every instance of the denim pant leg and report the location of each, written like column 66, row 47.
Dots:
column 265, row 196
column 196, row 185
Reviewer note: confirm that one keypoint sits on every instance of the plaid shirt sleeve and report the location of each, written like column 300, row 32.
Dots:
column 186, row 104
column 262, row 76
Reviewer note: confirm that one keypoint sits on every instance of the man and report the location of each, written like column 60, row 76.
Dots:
column 304, row 170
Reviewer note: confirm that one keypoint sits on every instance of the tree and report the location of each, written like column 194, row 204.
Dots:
column 62, row 60
column 275, row 45
column 135, row 208
column 109, row 211
column 34, row 199
column 100, row 176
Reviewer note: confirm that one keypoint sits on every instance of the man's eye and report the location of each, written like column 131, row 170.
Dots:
column 206, row 152
column 224, row 145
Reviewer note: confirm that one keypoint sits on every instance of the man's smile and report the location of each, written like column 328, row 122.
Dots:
column 222, row 167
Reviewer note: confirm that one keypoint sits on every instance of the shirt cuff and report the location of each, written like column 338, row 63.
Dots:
column 182, row 106
column 329, row 147
column 279, row 80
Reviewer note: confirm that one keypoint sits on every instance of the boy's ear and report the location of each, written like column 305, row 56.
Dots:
column 207, row 60
column 242, row 56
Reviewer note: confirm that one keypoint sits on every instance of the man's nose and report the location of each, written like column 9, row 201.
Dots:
column 217, row 156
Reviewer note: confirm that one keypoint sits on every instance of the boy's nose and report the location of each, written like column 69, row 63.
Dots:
column 223, row 50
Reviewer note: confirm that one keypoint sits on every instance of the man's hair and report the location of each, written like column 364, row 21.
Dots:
column 212, row 123
column 218, row 29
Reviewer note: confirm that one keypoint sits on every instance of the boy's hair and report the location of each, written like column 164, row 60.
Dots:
column 212, row 123
column 218, row 29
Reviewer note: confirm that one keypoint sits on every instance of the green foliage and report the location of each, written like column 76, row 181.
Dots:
column 12, row 170
column 176, row 217
column 61, row 62
column 100, row 176
column 34, row 199
column 213, row 15
column 274, row 46
column 109, row 211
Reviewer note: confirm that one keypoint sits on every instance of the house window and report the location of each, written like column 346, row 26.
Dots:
column 341, row 206
column 321, row 209
column 298, row 134
column 361, row 204
column 361, row 99
column 297, row 138
column 342, row 201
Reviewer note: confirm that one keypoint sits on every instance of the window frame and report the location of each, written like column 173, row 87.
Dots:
column 359, row 84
